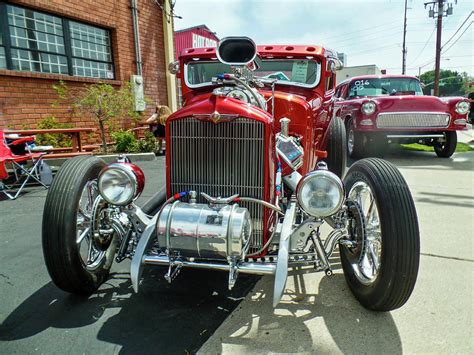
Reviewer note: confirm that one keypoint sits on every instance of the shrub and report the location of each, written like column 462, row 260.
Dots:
column 125, row 142
column 56, row 140
column 148, row 143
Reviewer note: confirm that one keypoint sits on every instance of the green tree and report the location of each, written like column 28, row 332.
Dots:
column 103, row 102
column 451, row 82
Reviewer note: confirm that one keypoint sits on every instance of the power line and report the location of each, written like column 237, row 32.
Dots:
column 449, row 40
column 424, row 47
column 451, row 46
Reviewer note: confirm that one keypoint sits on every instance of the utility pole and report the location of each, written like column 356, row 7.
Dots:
column 439, row 29
column 437, row 10
column 404, row 50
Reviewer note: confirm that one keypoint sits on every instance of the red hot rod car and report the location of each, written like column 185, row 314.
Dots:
column 381, row 108
column 254, row 167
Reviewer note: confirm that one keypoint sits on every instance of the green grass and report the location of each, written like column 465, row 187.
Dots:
column 460, row 148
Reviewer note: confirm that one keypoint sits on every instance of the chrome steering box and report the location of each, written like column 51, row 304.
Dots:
column 204, row 231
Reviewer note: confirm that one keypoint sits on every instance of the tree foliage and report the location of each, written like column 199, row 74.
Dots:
column 452, row 85
column 105, row 103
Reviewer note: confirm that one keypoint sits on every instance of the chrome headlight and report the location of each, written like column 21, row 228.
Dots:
column 121, row 183
column 368, row 108
column 320, row 193
column 462, row 107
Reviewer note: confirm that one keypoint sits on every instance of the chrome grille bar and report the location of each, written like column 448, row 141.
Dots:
column 413, row 119
column 221, row 160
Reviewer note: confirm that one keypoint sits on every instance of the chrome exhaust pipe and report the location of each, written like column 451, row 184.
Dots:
column 244, row 268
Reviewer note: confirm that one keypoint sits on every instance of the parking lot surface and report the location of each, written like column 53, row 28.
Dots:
column 317, row 315
column 36, row 317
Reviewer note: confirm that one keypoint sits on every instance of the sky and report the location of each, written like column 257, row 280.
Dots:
column 367, row 31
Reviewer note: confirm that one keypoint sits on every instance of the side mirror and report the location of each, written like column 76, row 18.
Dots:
column 237, row 51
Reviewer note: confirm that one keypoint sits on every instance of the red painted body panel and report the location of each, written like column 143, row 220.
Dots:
column 351, row 108
column 309, row 109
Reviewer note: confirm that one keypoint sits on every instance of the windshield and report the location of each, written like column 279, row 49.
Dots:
column 384, row 86
column 301, row 72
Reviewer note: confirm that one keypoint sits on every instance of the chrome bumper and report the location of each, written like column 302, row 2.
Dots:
column 417, row 136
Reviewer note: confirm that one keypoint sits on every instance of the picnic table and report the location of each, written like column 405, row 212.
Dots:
column 75, row 134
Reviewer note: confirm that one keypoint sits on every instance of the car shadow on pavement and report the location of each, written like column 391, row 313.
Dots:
column 167, row 318
column 306, row 322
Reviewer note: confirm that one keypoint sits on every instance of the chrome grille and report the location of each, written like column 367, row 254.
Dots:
column 412, row 119
column 221, row 160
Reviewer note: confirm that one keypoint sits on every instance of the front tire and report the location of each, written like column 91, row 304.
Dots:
column 337, row 154
column 381, row 266
column 76, row 262
column 355, row 142
column 447, row 148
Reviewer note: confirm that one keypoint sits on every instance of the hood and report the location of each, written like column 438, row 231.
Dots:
column 207, row 104
column 404, row 103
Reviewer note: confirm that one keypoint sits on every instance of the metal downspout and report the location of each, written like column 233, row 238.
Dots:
column 136, row 36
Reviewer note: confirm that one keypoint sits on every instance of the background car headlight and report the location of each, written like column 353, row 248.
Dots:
column 368, row 108
column 320, row 193
column 121, row 183
column 462, row 107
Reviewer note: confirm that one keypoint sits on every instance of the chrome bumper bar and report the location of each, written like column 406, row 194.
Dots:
column 418, row 136
column 245, row 268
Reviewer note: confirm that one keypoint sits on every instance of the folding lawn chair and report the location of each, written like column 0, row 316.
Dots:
column 18, row 162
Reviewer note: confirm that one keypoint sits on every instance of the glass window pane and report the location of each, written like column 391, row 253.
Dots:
column 34, row 30
column 93, row 69
column 3, row 61
column 90, row 42
column 41, row 62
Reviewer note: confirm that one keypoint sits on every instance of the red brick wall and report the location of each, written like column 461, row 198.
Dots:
column 26, row 98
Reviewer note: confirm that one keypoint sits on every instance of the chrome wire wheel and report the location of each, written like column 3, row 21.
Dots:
column 367, row 265
column 90, row 253
column 350, row 140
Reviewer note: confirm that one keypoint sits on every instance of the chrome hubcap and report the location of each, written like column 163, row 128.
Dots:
column 91, row 254
column 350, row 141
column 367, row 265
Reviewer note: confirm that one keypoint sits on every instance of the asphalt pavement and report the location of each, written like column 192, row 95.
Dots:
column 37, row 317
column 318, row 314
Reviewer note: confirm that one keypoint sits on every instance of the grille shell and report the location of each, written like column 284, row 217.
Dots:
column 220, row 159
column 413, row 120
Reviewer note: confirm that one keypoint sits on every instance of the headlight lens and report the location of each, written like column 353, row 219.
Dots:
column 320, row 193
column 368, row 108
column 462, row 107
column 119, row 183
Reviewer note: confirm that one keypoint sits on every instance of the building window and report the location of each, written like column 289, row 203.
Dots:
column 39, row 42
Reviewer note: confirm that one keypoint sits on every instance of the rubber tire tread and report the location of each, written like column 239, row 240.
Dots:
column 59, row 230
column 450, row 147
column 337, row 151
column 400, row 237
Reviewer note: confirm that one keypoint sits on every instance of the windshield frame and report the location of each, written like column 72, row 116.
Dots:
column 278, row 82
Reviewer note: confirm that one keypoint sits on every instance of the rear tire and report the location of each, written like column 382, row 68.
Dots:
column 355, row 142
column 447, row 148
column 337, row 153
column 61, row 229
column 382, row 265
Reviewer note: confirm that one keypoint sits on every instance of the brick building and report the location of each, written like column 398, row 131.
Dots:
column 79, row 42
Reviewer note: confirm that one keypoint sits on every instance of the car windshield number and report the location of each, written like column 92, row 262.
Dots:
column 359, row 84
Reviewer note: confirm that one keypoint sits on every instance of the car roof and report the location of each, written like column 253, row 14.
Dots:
column 378, row 76
column 267, row 51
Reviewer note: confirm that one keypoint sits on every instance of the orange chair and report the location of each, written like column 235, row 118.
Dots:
column 18, row 163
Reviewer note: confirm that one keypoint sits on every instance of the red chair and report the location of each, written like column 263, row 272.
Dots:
column 18, row 163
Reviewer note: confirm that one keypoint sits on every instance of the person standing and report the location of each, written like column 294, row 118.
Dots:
column 157, row 123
